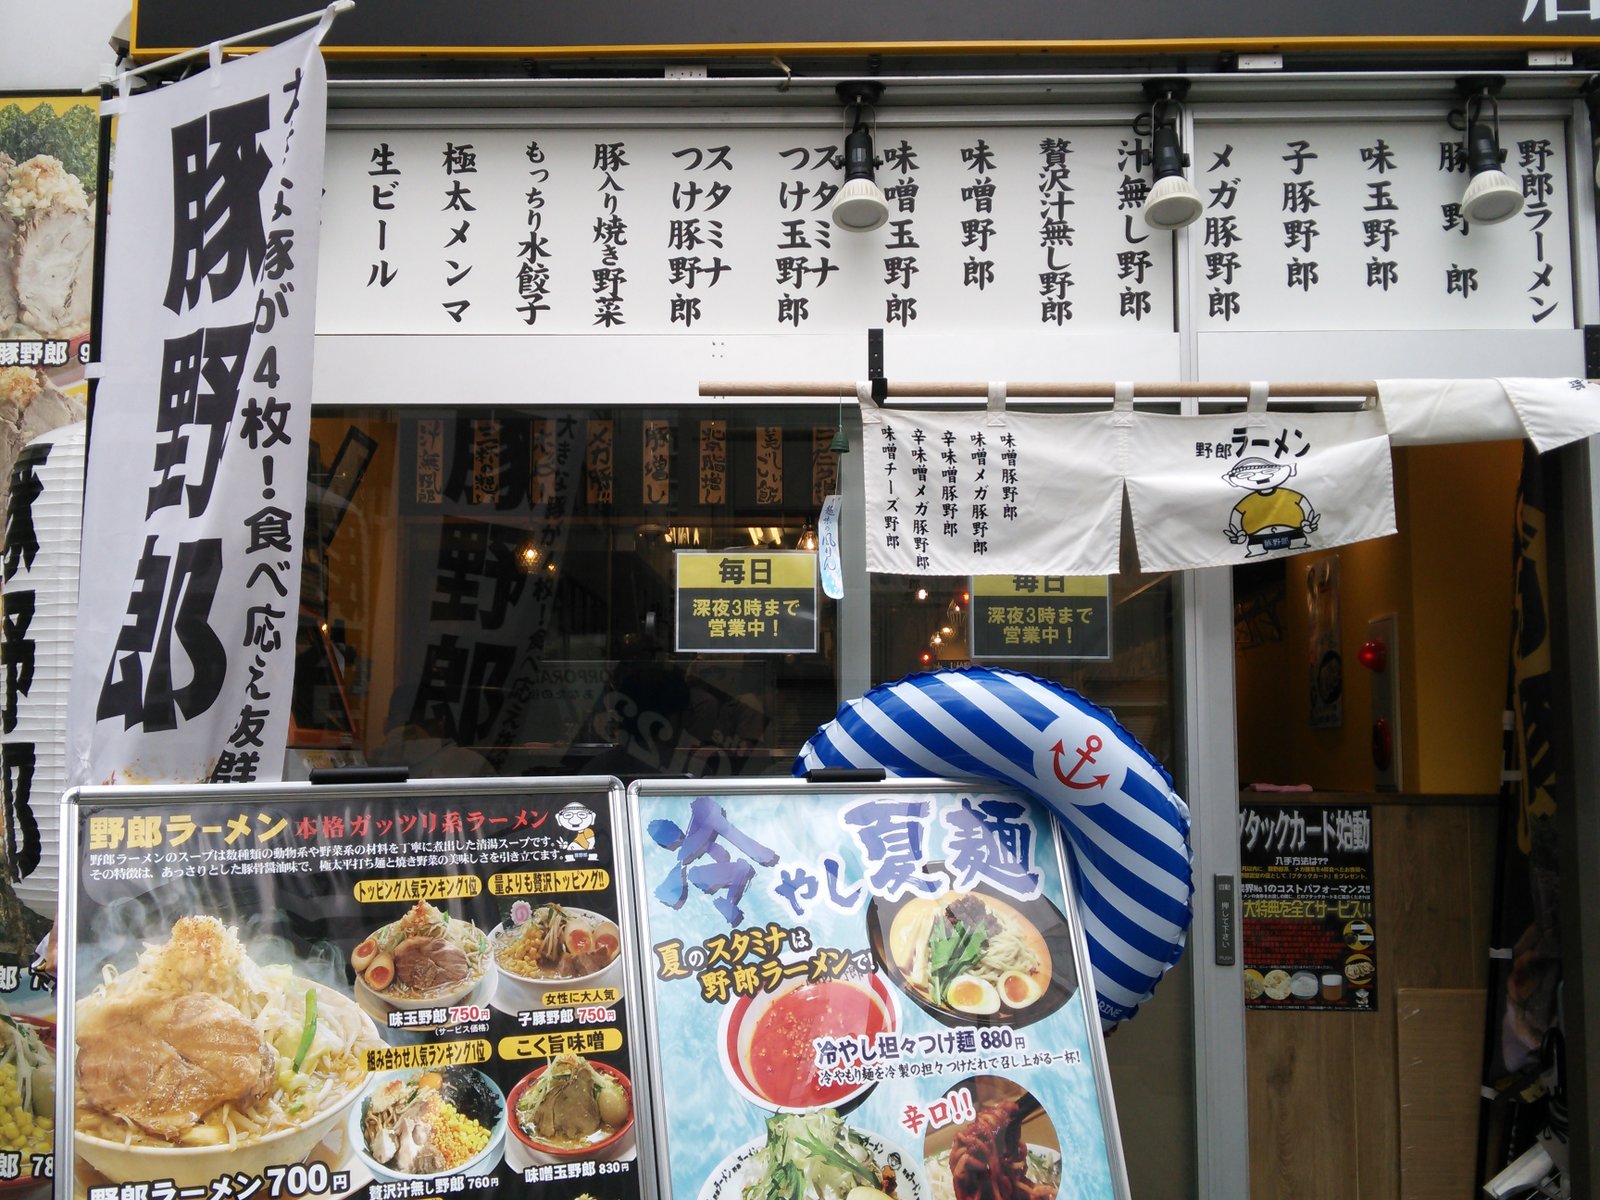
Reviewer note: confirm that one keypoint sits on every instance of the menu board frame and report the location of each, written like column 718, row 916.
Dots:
column 603, row 796
column 785, row 797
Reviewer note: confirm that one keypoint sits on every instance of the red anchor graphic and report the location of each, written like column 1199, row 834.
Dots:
column 1085, row 753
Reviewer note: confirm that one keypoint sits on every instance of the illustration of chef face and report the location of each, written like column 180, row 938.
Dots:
column 1259, row 474
column 575, row 818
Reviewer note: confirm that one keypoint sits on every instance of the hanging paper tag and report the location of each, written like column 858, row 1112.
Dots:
column 828, row 549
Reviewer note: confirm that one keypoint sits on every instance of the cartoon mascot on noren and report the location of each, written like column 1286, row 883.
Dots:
column 1271, row 517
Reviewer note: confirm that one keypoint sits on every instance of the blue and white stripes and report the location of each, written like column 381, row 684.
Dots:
column 1127, row 830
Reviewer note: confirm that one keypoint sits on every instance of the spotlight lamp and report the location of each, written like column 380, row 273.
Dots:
column 1171, row 202
column 1492, row 196
column 860, row 205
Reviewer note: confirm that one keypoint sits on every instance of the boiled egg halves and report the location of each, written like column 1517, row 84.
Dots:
column 970, row 994
column 1018, row 989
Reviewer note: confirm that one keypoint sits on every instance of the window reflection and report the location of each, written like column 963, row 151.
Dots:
column 503, row 584
column 1108, row 638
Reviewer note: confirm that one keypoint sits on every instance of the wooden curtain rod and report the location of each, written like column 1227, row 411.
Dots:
column 1366, row 389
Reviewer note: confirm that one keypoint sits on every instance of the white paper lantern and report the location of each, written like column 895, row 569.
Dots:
column 43, row 525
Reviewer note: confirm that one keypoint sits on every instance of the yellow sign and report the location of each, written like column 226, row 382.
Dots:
column 759, row 571
column 428, row 1054
column 438, row 887
column 581, row 997
column 747, row 602
column 1037, row 587
column 1040, row 616
column 537, row 883
column 564, row 1041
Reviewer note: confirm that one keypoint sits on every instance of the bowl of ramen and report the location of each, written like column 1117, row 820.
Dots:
column 571, row 1109
column 1005, row 1145
column 426, row 959
column 556, row 948
column 818, row 1156
column 426, row 1123
column 199, row 1062
column 767, row 1042
column 972, row 957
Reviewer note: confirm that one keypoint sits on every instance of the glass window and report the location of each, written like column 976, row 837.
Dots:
column 1109, row 639
column 1112, row 640
column 499, row 588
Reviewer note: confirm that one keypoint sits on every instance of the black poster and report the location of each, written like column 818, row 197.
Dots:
column 601, row 26
column 372, row 992
column 1310, row 939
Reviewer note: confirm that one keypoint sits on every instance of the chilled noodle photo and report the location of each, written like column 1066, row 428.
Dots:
column 969, row 953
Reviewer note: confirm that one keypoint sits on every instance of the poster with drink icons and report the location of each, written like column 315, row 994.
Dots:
column 1305, row 890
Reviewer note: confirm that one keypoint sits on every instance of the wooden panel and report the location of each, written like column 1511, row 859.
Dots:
column 1302, row 1104
column 1375, row 1132
column 1440, row 1044
column 1421, row 857
column 1325, row 1114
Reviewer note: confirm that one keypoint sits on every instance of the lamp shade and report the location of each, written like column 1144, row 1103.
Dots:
column 860, row 206
column 1491, row 197
column 1172, row 203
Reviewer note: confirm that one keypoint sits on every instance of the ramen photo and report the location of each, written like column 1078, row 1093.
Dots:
column 969, row 953
column 557, row 943
column 990, row 1158
column 814, row 1156
column 769, row 1040
column 426, row 956
column 27, row 1088
column 198, row 1055
column 569, row 1109
column 430, row 1122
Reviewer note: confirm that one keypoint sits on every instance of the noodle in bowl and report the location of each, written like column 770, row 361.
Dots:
column 527, row 973
column 200, row 1063
column 380, row 963
column 1044, row 1169
column 485, row 1109
column 194, row 1166
column 971, row 957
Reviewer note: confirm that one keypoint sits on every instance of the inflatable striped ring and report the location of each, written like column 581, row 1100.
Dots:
column 1127, row 830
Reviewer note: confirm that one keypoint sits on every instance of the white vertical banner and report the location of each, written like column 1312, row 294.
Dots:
column 195, row 500
column 1217, row 491
column 992, row 492
column 828, row 563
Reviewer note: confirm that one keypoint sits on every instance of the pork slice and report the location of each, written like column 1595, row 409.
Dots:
column 163, row 1061
column 568, row 1110
column 54, row 263
column 429, row 962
